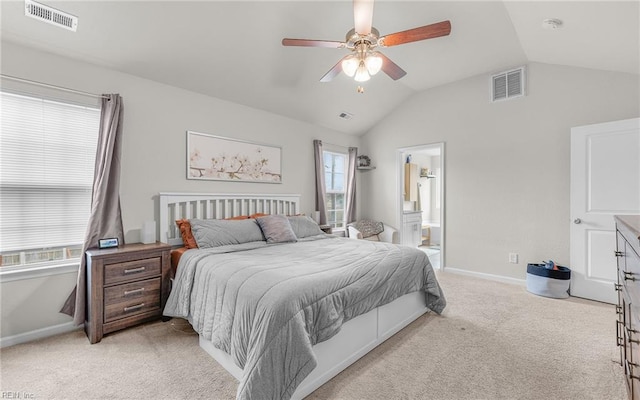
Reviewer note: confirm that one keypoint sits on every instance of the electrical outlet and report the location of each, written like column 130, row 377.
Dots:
column 513, row 258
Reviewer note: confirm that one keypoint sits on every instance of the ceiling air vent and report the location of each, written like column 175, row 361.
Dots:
column 50, row 15
column 507, row 85
column 345, row 115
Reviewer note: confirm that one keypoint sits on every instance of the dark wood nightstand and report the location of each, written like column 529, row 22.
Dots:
column 127, row 285
column 326, row 228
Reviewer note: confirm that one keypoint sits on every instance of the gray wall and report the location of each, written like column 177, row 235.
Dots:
column 507, row 163
column 156, row 118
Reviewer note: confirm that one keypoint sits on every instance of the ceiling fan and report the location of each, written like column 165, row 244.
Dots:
column 362, row 40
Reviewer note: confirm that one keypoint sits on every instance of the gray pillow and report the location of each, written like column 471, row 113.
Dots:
column 277, row 229
column 304, row 226
column 220, row 232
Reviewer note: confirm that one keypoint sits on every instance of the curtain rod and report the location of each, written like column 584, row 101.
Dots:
column 15, row 78
column 337, row 145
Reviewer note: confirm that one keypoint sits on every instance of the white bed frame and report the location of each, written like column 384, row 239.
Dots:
column 175, row 206
column 356, row 338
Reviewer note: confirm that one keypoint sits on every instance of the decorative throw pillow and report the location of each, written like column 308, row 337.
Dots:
column 221, row 232
column 369, row 227
column 277, row 229
column 304, row 226
column 187, row 236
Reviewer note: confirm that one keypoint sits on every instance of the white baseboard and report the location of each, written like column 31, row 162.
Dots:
column 491, row 277
column 38, row 334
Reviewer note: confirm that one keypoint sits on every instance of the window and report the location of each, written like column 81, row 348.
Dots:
column 335, row 167
column 47, row 157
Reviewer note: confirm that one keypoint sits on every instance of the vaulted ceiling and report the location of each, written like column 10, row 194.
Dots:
column 232, row 50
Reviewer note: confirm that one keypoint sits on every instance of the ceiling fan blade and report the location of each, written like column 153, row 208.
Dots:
column 413, row 35
column 312, row 43
column 392, row 69
column 333, row 72
column 362, row 16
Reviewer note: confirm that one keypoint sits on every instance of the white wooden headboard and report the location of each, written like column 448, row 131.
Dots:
column 175, row 206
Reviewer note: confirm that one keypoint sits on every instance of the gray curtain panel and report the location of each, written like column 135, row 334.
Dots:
column 106, row 219
column 350, row 201
column 321, row 190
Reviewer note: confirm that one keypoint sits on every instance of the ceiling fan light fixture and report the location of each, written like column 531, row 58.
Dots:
column 363, row 38
column 373, row 63
column 350, row 66
column 362, row 75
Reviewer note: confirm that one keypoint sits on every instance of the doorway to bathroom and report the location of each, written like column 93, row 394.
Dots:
column 421, row 199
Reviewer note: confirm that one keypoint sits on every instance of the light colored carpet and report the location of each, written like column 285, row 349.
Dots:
column 494, row 341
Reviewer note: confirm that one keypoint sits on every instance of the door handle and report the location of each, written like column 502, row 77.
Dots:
column 577, row 221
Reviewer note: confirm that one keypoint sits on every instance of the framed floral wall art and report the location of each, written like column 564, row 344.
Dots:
column 219, row 158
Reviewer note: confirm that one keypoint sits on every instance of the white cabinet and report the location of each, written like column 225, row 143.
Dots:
column 412, row 228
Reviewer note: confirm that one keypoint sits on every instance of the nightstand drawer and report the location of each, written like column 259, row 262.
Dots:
column 131, row 270
column 130, row 299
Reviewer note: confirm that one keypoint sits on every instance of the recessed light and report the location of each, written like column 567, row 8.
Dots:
column 552, row 23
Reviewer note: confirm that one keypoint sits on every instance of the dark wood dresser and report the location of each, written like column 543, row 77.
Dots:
column 628, row 309
column 127, row 285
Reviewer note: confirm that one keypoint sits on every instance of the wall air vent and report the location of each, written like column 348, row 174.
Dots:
column 50, row 15
column 507, row 85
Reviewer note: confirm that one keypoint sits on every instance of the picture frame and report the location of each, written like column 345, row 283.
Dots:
column 107, row 243
column 218, row 158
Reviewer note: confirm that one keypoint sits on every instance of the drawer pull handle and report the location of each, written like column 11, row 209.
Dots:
column 136, row 291
column 628, row 276
column 133, row 308
column 134, row 270
column 619, row 338
column 630, row 332
column 618, row 253
column 630, row 367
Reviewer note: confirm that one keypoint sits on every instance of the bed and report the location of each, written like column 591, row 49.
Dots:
column 285, row 317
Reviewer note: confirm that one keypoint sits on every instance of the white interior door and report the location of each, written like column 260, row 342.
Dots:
column 605, row 181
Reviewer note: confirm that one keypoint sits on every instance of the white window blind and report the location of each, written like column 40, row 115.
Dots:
column 47, row 154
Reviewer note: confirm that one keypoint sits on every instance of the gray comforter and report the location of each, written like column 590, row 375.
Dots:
column 266, row 305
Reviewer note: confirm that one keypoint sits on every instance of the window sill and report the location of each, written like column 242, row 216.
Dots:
column 24, row 272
